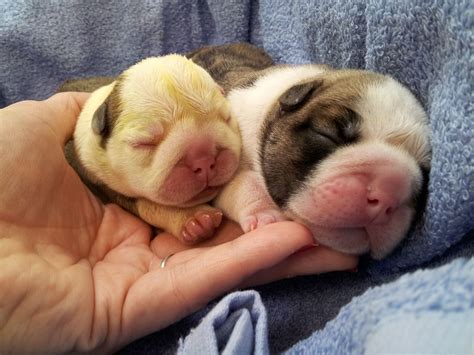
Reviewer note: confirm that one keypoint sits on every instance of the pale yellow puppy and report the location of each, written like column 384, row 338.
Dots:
column 159, row 141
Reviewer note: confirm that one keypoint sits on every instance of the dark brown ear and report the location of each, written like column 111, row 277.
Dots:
column 99, row 120
column 297, row 95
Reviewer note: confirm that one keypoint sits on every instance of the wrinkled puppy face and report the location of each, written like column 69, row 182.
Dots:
column 346, row 154
column 167, row 133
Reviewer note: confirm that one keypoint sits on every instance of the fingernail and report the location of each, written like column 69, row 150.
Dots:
column 217, row 219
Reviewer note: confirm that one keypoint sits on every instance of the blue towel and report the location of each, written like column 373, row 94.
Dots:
column 44, row 42
column 426, row 45
column 427, row 312
column 236, row 325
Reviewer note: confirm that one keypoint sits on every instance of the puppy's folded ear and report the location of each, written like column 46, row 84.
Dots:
column 297, row 95
column 99, row 120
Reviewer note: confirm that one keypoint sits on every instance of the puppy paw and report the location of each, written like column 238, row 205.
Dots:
column 261, row 218
column 201, row 226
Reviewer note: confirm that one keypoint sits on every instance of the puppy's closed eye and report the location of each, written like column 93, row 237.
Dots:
column 143, row 143
column 147, row 138
column 318, row 133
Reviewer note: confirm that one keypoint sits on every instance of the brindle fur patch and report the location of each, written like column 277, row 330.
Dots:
column 232, row 65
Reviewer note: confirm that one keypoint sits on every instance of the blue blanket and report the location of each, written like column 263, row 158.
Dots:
column 426, row 45
column 414, row 315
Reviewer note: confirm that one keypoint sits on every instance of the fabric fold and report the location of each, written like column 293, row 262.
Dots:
column 236, row 325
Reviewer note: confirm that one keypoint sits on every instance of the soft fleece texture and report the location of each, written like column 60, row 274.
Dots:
column 426, row 312
column 426, row 45
column 237, row 325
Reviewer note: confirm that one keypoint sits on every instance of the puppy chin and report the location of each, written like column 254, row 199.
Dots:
column 203, row 196
column 379, row 240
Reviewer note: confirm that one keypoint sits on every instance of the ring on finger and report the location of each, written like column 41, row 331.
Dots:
column 163, row 262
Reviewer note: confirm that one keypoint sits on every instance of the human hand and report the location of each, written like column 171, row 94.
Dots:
column 309, row 260
column 80, row 276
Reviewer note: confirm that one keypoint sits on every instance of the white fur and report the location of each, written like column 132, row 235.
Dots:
column 391, row 113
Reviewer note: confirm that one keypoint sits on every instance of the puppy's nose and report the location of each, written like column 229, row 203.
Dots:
column 380, row 206
column 204, row 168
column 201, row 159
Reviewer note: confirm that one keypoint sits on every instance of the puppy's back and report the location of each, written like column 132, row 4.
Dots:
column 86, row 84
column 232, row 65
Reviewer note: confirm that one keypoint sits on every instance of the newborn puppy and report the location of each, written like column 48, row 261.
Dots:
column 345, row 152
column 160, row 142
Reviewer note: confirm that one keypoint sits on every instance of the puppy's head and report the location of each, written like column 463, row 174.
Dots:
column 161, row 131
column 347, row 153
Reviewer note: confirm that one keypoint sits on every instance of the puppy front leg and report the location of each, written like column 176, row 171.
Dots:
column 190, row 225
column 246, row 201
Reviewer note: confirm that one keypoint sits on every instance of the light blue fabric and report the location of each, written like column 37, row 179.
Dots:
column 44, row 42
column 427, row 312
column 426, row 45
column 407, row 333
column 421, row 312
column 236, row 325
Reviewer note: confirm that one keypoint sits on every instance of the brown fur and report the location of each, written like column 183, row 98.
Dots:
column 232, row 65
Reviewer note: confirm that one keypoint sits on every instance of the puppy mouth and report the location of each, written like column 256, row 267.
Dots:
column 207, row 194
column 378, row 239
column 346, row 240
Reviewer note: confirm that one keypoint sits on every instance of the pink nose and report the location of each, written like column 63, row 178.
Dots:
column 204, row 168
column 380, row 206
column 201, row 159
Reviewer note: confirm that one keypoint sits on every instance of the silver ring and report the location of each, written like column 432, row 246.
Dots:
column 163, row 262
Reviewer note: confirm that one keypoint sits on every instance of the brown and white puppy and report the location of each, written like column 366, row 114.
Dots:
column 159, row 141
column 342, row 151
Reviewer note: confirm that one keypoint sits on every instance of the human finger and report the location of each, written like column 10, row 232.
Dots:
column 59, row 113
column 316, row 260
column 165, row 295
column 64, row 109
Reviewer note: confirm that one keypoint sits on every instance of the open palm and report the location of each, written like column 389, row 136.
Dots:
column 76, row 275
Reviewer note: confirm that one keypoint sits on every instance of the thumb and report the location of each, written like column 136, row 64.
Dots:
column 62, row 113
column 164, row 296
